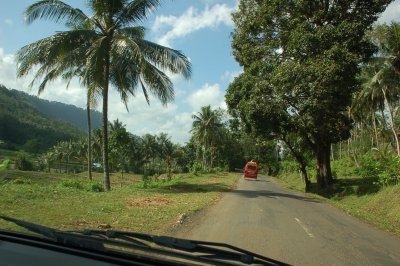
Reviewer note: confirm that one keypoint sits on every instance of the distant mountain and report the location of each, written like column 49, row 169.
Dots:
column 61, row 111
column 33, row 124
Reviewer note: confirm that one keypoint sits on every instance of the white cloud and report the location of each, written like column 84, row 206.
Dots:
column 392, row 13
column 207, row 95
column 55, row 91
column 9, row 22
column 190, row 21
column 153, row 119
column 231, row 75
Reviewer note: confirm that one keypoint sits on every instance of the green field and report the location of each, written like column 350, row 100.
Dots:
column 70, row 202
column 378, row 206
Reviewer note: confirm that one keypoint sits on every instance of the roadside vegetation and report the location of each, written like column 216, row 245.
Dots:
column 67, row 201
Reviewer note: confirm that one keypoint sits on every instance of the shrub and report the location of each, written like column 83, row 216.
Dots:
column 73, row 183
column 95, row 187
column 381, row 170
column 21, row 181
column 4, row 165
column 343, row 167
column 82, row 185
column 196, row 168
column 289, row 166
column 23, row 163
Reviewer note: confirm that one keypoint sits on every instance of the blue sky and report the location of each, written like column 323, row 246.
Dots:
column 199, row 28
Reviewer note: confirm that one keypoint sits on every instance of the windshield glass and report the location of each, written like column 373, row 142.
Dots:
column 232, row 121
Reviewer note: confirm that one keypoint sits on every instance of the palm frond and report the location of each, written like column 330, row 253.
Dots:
column 136, row 33
column 53, row 10
column 166, row 58
column 157, row 83
column 136, row 11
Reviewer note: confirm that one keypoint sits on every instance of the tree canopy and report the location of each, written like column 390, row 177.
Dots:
column 300, row 61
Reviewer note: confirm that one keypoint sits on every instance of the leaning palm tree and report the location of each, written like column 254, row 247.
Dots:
column 109, row 46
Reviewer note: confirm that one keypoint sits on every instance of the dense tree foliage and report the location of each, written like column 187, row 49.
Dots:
column 300, row 60
column 24, row 126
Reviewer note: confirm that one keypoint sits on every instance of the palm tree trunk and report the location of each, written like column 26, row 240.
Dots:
column 375, row 129
column 89, row 138
column 106, row 170
column 204, row 157
column 391, row 120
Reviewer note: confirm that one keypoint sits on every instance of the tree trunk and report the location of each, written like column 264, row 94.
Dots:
column 106, row 170
column 302, row 165
column 89, row 166
column 391, row 120
column 305, row 177
column 375, row 129
column 348, row 147
column 324, row 174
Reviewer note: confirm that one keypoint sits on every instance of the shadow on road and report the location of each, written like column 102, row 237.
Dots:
column 270, row 194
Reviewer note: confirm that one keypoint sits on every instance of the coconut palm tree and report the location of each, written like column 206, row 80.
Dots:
column 380, row 90
column 387, row 38
column 206, row 128
column 166, row 151
column 149, row 149
column 110, row 48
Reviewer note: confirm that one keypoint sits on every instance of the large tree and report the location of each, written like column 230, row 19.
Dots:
column 110, row 47
column 300, row 62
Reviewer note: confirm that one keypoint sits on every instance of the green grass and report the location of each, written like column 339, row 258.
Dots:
column 358, row 197
column 67, row 202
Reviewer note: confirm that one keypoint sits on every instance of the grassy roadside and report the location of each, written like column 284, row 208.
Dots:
column 70, row 202
column 377, row 206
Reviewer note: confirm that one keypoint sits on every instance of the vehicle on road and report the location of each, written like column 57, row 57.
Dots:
column 251, row 170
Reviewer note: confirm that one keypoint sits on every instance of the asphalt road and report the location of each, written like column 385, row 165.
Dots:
column 262, row 217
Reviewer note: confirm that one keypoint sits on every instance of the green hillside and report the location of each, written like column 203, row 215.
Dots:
column 60, row 111
column 23, row 126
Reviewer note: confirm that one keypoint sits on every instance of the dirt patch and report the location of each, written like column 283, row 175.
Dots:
column 148, row 202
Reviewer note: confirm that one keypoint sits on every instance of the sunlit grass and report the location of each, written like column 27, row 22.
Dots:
column 51, row 199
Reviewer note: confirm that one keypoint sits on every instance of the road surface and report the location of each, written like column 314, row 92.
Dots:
column 262, row 217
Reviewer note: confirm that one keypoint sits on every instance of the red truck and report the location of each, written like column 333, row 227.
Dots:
column 251, row 170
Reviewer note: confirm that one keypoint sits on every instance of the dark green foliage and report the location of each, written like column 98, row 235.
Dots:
column 23, row 162
column 59, row 111
column 80, row 184
column 95, row 187
column 300, row 62
column 23, row 126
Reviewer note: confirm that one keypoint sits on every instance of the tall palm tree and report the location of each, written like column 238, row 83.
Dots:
column 92, row 94
column 380, row 90
column 206, row 128
column 166, row 151
column 149, row 148
column 387, row 38
column 110, row 48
